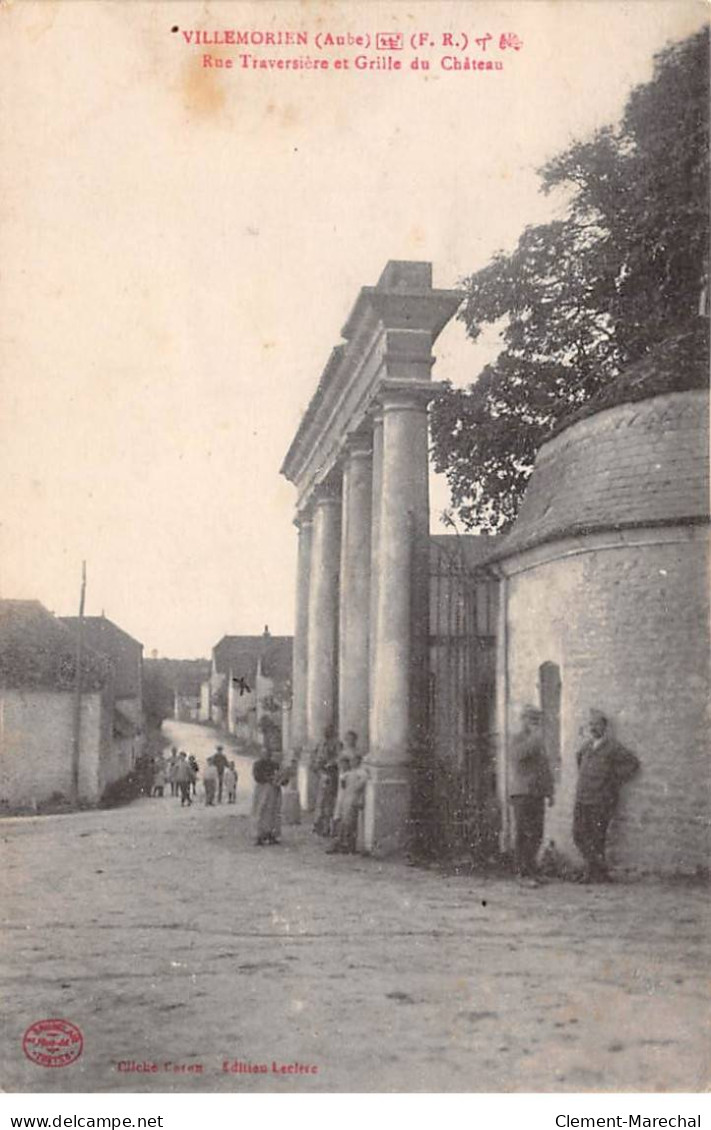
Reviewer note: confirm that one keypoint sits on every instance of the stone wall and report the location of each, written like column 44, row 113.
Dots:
column 36, row 746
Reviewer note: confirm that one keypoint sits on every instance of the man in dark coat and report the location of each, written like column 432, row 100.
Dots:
column 220, row 762
column 530, row 784
column 604, row 766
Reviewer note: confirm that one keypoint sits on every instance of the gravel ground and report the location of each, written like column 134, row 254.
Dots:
column 171, row 940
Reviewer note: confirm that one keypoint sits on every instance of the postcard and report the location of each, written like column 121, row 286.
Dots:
column 354, row 506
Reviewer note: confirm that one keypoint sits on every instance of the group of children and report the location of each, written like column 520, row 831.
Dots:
column 342, row 779
column 340, row 772
column 220, row 774
column 180, row 773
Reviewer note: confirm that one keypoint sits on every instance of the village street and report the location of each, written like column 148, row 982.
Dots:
column 168, row 938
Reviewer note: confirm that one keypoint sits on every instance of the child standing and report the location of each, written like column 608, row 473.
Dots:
column 230, row 781
column 159, row 778
column 192, row 761
column 351, row 794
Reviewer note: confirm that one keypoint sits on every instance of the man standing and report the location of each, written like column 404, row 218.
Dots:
column 220, row 762
column 171, row 771
column 209, row 780
column 172, row 767
column 531, row 782
column 183, row 778
column 604, row 766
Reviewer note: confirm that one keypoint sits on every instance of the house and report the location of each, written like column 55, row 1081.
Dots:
column 125, row 654
column 188, row 678
column 39, row 716
column 174, row 688
column 249, row 684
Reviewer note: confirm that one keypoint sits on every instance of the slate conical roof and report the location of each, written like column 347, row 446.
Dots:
column 636, row 455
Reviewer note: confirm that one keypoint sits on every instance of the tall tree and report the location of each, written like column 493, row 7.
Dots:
column 583, row 297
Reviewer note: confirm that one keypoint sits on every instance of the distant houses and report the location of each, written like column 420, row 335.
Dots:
column 186, row 693
column 173, row 687
column 65, row 739
column 41, row 729
column 248, row 690
column 126, row 657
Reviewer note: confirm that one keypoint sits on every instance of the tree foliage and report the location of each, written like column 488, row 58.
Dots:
column 585, row 296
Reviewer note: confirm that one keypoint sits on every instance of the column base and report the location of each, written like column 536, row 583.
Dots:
column 387, row 809
column 307, row 787
column 290, row 804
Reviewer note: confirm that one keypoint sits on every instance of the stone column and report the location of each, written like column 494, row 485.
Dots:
column 400, row 646
column 298, row 746
column 301, row 634
column 377, row 487
column 354, row 619
column 321, row 677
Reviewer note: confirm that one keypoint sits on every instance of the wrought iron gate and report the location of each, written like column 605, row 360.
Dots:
column 457, row 811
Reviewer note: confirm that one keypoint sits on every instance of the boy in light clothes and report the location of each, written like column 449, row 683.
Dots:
column 230, row 782
column 351, row 797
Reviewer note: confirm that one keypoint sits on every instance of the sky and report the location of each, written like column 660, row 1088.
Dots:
column 180, row 246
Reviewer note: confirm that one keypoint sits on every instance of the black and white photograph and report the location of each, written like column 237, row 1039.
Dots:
column 354, row 588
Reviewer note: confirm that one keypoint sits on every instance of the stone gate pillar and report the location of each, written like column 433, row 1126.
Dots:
column 402, row 602
column 298, row 736
column 301, row 633
column 321, row 677
column 354, row 619
column 376, row 492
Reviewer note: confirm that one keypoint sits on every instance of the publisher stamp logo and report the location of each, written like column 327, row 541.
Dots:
column 53, row 1043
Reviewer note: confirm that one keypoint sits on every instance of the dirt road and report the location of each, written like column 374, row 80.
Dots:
column 178, row 946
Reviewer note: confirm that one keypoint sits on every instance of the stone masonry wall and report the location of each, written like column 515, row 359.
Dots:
column 36, row 746
column 626, row 619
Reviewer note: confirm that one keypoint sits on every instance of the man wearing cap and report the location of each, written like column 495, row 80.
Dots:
column 530, row 783
column 604, row 766
column 220, row 762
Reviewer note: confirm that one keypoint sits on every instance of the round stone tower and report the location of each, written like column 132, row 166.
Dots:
column 605, row 604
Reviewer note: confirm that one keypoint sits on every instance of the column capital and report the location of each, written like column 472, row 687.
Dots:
column 358, row 443
column 328, row 492
column 304, row 517
column 395, row 393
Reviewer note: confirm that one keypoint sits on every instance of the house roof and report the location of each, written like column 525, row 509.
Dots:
column 38, row 651
column 182, row 676
column 241, row 654
column 101, row 633
column 641, row 459
column 634, row 455
column 277, row 658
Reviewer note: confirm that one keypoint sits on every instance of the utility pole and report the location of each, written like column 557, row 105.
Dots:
column 76, row 733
